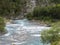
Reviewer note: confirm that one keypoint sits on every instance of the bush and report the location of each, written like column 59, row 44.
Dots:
column 52, row 35
column 52, row 12
column 2, row 26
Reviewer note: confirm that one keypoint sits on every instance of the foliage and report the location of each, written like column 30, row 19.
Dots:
column 2, row 25
column 46, row 13
column 29, row 16
column 52, row 35
column 11, row 8
column 55, row 1
column 47, row 2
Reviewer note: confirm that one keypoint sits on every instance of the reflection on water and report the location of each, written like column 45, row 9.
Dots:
column 22, row 32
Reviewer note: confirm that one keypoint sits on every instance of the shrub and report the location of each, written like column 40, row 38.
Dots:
column 52, row 35
column 2, row 26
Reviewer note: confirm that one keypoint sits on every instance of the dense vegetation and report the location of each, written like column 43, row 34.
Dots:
column 11, row 8
column 46, row 10
column 2, row 26
column 45, row 13
column 52, row 35
column 47, row 2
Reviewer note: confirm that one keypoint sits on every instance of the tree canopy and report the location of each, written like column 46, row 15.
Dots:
column 11, row 7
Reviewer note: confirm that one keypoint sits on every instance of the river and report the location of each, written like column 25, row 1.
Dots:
column 22, row 32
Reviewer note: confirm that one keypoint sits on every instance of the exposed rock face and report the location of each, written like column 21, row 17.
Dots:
column 30, row 5
column 27, row 8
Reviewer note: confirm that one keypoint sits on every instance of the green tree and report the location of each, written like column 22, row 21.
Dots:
column 11, row 8
column 47, row 2
column 55, row 1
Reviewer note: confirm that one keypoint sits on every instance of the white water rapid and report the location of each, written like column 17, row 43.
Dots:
column 22, row 32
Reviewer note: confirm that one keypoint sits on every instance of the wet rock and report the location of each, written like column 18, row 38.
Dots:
column 3, row 33
column 48, row 25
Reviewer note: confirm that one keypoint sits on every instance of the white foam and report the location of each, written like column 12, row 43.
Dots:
column 7, row 34
column 36, row 35
column 16, row 43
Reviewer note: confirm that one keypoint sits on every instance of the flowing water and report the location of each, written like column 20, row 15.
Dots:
column 22, row 32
